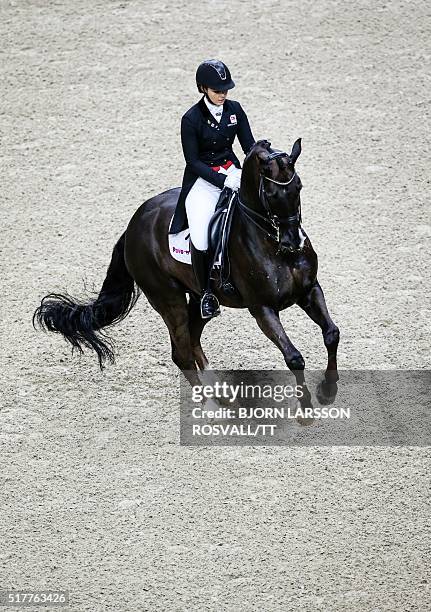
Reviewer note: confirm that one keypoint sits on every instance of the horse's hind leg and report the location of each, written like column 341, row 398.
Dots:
column 174, row 312
column 315, row 306
column 196, row 326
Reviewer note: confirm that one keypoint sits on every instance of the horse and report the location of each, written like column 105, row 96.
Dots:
column 272, row 266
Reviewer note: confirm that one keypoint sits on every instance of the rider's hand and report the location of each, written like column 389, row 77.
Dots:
column 233, row 179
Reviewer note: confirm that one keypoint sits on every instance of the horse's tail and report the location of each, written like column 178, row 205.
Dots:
column 80, row 323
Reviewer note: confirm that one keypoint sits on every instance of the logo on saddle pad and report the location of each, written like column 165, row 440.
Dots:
column 179, row 246
column 185, row 252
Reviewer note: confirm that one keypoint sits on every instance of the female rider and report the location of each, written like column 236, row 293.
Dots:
column 208, row 130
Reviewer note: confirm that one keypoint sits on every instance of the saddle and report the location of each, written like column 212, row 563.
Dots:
column 218, row 239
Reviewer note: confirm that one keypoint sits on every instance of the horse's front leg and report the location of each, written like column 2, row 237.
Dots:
column 269, row 322
column 315, row 306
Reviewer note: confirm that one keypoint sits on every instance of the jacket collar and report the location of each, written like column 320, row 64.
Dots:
column 213, row 108
column 210, row 119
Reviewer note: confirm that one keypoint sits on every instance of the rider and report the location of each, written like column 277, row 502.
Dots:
column 208, row 130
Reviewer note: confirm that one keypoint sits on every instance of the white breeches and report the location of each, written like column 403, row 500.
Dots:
column 200, row 206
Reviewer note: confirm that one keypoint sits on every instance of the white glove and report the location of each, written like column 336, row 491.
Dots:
column 233, row 179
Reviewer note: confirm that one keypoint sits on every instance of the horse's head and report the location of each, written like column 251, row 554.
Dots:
column 270, row 180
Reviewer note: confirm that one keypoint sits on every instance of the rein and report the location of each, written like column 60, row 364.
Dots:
column 273, row 220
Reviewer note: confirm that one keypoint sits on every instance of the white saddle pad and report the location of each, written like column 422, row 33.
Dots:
column 179, row 246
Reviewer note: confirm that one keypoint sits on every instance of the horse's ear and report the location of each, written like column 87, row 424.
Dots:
column 296, row 151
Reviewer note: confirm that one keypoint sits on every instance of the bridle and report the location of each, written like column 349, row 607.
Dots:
column 273, row 220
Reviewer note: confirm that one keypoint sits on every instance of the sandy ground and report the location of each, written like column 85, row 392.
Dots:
column 97, row 495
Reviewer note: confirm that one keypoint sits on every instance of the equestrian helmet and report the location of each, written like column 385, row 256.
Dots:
column 214, row 74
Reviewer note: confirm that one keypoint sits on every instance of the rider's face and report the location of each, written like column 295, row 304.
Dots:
column 216, row 97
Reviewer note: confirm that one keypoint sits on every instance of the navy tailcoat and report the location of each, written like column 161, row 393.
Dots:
column 207, row 143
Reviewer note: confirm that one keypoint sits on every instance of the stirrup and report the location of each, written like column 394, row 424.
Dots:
column 210, row 306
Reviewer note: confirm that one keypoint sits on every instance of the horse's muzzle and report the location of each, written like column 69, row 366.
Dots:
column 293, row 242
column 289, row 249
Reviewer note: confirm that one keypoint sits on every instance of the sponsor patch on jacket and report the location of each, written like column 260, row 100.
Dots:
column 233, row 119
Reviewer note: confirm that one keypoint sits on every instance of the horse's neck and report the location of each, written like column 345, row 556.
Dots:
column 250, row 197
column 251, row 237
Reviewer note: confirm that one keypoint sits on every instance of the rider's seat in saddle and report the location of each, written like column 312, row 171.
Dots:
column 218, row 238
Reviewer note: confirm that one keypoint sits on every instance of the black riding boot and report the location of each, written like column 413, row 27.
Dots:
column 209, row 303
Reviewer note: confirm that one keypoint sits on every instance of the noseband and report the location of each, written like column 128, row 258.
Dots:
column 273, row 220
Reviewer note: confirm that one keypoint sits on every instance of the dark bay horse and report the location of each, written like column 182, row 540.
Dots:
column 273, row 266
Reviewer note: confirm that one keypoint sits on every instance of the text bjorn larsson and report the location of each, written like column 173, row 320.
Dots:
column 255, row 414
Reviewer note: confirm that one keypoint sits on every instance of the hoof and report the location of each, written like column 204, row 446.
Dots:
column 326, row 392
column 305, row 400
column 303, row 403
column 304, row 422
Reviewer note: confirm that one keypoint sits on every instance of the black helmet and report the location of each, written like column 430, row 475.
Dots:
column 215, row 75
